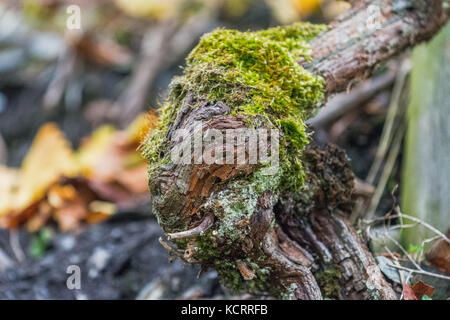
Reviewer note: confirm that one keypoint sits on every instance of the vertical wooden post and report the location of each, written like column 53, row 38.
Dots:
column 426, row 179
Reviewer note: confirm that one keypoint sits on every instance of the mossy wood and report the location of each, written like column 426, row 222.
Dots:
column 284, row 234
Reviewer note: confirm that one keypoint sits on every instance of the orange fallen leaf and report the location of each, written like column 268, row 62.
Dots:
column 420, row 289
column 49, row 158
column 439, row 255
column 72, row 188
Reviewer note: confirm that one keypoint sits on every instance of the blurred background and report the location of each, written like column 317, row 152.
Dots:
column 74, row 106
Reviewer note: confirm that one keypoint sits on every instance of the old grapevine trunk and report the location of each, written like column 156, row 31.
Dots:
column 267, row 227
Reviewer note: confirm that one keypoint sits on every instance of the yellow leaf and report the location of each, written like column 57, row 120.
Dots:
column 155, row 9
column 49, row 158
column 307, row 7
column 145, row 122
column 9, row 183
column 288, row 11
column 94, row 148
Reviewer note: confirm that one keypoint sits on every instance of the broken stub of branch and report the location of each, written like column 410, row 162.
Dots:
column 285, row 232
column 206, row 223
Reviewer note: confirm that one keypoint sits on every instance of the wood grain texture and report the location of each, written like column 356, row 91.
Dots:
column 303, row 238
column 354, row 46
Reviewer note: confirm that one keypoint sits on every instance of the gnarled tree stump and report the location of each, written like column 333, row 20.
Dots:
column 286, row 233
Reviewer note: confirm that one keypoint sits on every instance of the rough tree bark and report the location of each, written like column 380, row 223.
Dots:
column 293, row 244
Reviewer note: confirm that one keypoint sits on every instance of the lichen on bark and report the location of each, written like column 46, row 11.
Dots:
column 257, row 76
column 257, row 231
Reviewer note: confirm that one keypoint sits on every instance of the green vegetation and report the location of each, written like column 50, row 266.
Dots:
column 254, row 73
column 329, row 281
column 258, row 75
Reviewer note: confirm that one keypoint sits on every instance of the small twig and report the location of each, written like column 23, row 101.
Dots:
column 403, row 226
column 404, row 251
column 172, row 251
column 417, row 221
column 387, row 235
column 3, row 151
column 402, row 215
column 431, row 274
column 389, row 166
column 344, row 103
column 14, row 242
column 397, row 262
column 154, row 49
column 395, row 115
column 207, row 222
column 426, row 225
column 394, row 111
column 64, row 70
column 5, row 261
column 422, row 245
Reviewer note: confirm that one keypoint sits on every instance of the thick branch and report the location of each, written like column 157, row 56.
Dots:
column 298, row 245
column 359, row 39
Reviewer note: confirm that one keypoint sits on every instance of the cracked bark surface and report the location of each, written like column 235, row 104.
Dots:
column 303, row 238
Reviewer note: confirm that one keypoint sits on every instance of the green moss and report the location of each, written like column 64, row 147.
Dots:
column 328, row 280
column 207, row 248
column 254, row 73
column 289, row 292
column 231, row 277
column 257, row 75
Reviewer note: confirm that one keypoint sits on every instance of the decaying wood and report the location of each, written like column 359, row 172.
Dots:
column 355, row 46
column 305, row 238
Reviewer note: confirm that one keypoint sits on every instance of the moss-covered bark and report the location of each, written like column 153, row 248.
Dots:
column 257, row 76
column 280, row 233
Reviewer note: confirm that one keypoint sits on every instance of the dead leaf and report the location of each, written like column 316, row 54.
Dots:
column 72, row 188
column 119, row 164
column 408, row 292
column 14, row 219
column 154, row 9
column 420, row 289
column 439, row 255
column 9, row 183
column 40, row 219
column 101, row 51
column 100, row 211
column 93, row 147
column 49, row 158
